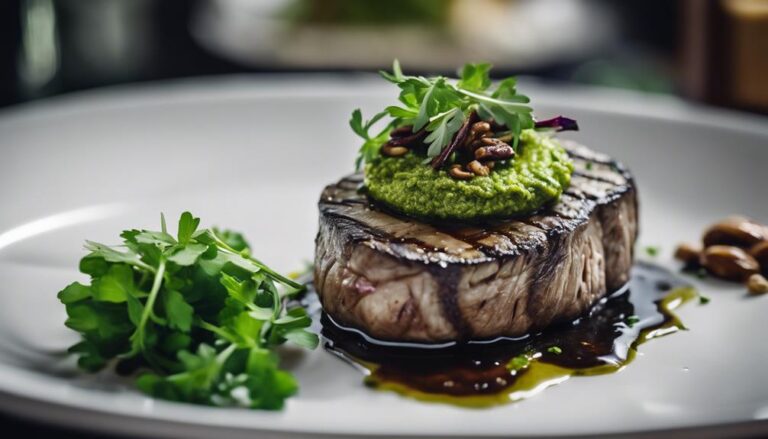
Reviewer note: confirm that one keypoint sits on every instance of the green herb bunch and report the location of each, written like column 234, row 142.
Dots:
column 196, row 312
column 441, row 106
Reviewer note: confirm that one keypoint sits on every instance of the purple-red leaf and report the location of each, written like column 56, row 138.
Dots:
column 559, row 123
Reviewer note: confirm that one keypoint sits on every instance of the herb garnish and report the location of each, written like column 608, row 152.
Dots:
column 652, row 251
column 632, row 320
column 703, row 300
column 558, row 123
column 197, row 310
column 519, row 362
column 555, row 350
column 441, row 106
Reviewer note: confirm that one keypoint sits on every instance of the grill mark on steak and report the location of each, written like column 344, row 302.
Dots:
column 598, row 177
column 579, row 151
column 448, row 287
column 549, row 261
column 356, row 178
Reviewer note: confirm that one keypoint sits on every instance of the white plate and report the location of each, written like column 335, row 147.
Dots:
column 253, row 154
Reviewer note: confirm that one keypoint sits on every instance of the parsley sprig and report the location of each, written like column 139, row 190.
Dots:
column 440, row 106
column 197, row 311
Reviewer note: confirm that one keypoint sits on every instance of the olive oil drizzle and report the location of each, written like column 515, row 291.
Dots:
column 482, row 374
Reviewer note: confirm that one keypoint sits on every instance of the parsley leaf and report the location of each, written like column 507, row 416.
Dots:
column 188, row 254
column 178, row 311
column 475, row 77
column 187, row 226
column 75, row 292
column 114, row 286
column 197, row 310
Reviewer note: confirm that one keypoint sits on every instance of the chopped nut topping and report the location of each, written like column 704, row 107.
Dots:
column 460, row 174
column 478, row 168
column 390, row 150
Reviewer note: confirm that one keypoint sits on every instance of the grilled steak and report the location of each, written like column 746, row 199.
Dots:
column 397, row 278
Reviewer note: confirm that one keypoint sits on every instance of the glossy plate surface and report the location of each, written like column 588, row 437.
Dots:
column 253, row 154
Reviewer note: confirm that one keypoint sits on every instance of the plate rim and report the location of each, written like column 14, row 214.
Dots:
column 246, row 87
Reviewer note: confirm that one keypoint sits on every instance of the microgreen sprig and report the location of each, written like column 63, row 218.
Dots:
column 441, row 106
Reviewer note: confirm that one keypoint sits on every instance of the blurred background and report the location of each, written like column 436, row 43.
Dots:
column 714, row 51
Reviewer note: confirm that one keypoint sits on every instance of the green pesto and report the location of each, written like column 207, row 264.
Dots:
column 537, row 175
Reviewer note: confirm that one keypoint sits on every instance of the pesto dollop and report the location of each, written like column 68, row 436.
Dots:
column 538, row 174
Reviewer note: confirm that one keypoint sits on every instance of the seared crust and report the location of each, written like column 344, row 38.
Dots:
column 398, row 278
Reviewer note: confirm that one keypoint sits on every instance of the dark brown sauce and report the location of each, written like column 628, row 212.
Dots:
column 484, row 373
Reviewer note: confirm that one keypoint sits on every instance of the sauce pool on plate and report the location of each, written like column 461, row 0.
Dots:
column 504, row 370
